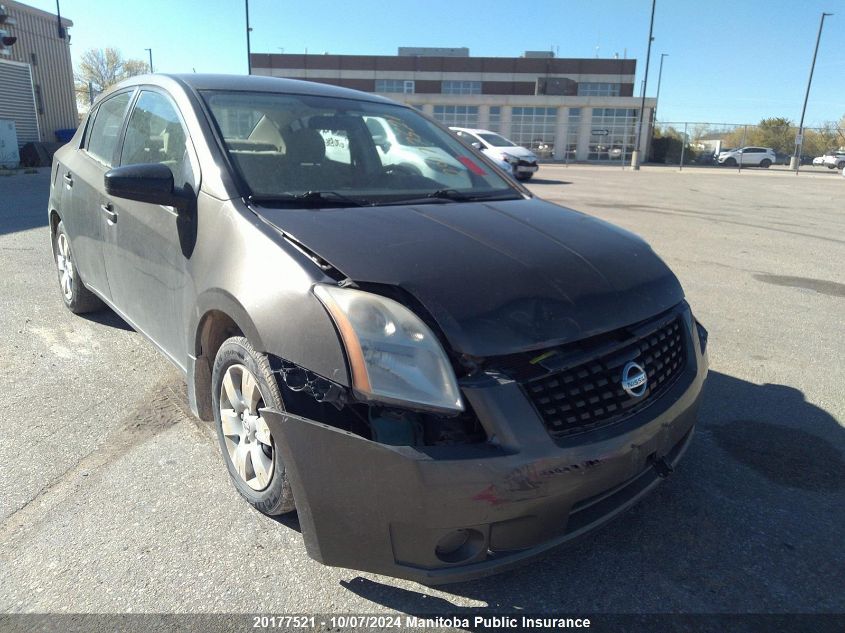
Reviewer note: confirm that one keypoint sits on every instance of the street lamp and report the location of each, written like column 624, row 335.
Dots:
column 659, row 77
column 635, row 155
column 799, row 139
column 150, row 51
column 248, row 29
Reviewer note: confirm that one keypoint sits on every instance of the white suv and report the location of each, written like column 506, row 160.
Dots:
column 521, row 162
column 834, row 160
column 748, row 157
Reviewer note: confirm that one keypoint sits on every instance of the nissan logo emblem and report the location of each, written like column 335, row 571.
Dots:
column 634, row 380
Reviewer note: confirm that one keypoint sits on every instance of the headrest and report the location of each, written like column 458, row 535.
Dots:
column 305, row 147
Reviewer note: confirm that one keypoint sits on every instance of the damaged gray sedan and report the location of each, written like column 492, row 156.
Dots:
column 442, row 374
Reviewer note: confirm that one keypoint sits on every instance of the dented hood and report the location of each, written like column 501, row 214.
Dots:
column 498, row 277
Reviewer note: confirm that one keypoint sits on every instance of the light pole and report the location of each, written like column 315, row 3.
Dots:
column 659, row 78
column 635, row 155
column 150, row 51
column 799, row 140
column 248, row 29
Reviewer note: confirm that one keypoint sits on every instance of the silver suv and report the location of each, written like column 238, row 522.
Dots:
column 748, row 157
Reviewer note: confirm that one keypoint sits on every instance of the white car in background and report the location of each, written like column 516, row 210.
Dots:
column 748, row 157
column 818, row 161
column 402, row 148
column 834, row 160
column 519, row 161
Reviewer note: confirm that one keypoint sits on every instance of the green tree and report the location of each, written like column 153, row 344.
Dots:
column 101, row 68
column 775, row 132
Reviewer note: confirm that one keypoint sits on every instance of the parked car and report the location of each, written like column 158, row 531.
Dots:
column 818, row 161
column 748, row 157
column 835, row 159
column 522, row 161
column 444, row 381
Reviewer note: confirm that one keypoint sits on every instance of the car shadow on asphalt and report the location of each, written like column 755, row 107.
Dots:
column 547, row 181
column 107, row 316
column 742, row 510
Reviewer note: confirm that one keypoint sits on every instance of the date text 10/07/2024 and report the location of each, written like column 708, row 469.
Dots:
column 414, row 622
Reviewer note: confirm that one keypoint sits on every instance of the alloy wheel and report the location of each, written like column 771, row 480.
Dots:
column 247, row 436
column 64, row 261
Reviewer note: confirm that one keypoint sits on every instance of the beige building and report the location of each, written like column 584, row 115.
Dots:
column 562, row 109
column 36, row 74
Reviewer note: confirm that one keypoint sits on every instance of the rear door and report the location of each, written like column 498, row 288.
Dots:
column 147, row 246
column 83, row 194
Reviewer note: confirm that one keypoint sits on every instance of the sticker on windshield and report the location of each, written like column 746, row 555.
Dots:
column 471, row 165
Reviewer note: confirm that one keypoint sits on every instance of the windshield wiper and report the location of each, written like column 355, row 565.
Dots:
column 314, row 198
column 453, row 195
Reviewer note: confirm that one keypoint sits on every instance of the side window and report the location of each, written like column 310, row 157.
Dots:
column 155, row 135
column 469, row 138
column 106, row 129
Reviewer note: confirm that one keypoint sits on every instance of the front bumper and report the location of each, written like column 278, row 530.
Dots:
column 385, row 509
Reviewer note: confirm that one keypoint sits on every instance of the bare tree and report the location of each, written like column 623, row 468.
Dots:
column 101, row 68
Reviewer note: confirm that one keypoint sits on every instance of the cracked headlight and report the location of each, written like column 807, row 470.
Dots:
column 394, row 357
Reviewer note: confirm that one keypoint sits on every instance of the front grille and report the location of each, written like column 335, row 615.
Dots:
column 526, row 163
column 589, row 395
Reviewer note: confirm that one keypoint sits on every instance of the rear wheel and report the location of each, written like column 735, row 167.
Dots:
column 840, row 164
column 242, row 384
column 76, row 296
column 765, row 163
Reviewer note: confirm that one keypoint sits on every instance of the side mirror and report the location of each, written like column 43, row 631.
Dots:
column 476, row 145
column 381, row 141
column 144, row 182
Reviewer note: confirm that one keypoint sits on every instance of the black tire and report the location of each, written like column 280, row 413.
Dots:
column 277, row 497
column 765, row 163
column 730, row 162
column 78, row 299
column 840, row 164
column 831, row 166
column 524, row 177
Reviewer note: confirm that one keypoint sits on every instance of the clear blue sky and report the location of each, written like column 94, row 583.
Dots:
column 732, row 61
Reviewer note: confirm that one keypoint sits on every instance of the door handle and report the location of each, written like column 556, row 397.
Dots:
column 111, row 216
column 68, row 179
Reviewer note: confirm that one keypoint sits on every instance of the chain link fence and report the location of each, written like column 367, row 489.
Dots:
column 688, row 143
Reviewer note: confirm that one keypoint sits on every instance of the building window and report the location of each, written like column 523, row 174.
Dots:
column 573, row 128
column 495, row 119
column 612, row 134
column 461, row 88
column 405, row 86
column 39, row 99
column 534, row 128
column 459, row 116
column 596, row 89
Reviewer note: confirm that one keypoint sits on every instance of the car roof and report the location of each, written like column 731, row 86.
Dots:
column 473, row 130
column 252, row 83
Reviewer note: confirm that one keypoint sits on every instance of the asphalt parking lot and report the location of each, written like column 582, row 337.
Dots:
column 114, row 498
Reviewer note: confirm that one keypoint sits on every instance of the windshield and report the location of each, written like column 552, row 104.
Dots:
column 298, row 148
column 497, row 141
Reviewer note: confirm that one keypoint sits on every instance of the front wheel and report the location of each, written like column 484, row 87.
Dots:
column 840, row 164
column 524, row 176
column 731, row 162
column 242, row 384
